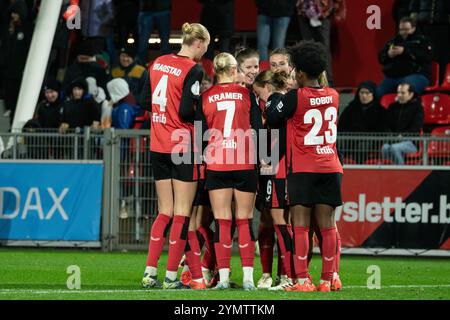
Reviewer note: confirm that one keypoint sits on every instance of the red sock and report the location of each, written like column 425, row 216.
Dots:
column 266, row 242
column 291, row 234
column 207, row 236
column 285, row 249
column 301, row 246
column 328, row 252
column 177, row 241
column 223, row 243
column 158, row 236
column 246, row 241
column 193, row 255
column 338, row 252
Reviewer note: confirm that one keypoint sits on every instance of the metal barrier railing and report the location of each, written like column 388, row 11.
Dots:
column 129, row 195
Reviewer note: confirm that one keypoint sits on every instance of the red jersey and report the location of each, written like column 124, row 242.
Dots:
column 311, row 115
column 175, row 85
column 230, row 114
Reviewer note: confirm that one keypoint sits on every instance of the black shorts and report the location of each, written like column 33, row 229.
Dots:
column 201, row 197
column 276, row 194
column 163, row 168
column 242, row 180
column 260, row 202
column 308, row 188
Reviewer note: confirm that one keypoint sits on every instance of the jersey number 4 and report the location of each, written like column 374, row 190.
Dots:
column 315, row 116
column 159, row 95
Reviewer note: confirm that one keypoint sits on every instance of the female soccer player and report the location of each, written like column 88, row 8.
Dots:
column 279, row 62
column 265, row 84
column 175, row 81
column 314, row 170
column 230, row 113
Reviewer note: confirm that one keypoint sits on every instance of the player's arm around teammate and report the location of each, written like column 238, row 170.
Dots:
column 315, row 172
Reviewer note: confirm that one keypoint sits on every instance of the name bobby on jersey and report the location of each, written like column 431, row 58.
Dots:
column 172, row 77
column 228, row 111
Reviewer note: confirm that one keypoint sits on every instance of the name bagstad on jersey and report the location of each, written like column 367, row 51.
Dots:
column 167, row 69
column 225, row 96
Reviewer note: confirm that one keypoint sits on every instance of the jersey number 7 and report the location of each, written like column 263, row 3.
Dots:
column 230, row 107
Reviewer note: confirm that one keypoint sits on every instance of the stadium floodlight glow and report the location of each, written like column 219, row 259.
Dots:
column 171, row 40
column 130, row 40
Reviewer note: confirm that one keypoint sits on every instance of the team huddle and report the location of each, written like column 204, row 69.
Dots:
column 253, row 139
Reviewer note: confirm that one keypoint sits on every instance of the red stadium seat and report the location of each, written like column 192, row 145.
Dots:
column 264, row 65
column 439, row 149
column 349, row 161
column 434, row 82
column 388, row 99
column 436, row 107
column 446, row 83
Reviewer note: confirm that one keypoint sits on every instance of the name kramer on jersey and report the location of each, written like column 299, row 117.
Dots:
column 226, row 143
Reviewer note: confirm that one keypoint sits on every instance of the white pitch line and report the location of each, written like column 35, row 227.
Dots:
column 66, row 291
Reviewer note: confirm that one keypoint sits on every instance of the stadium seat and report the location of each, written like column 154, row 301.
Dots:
column 415, row 158
column 436, row 108
column 434, row 82
column 439, row 149
column 264, row 65
column 388, row 99
column 348, row 160
column 445, row 86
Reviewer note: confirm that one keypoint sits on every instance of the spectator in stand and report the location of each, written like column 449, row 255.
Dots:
column 17, row 45
column 49, row 111
column 97, row 24
column 405, row 59
column 80, row 109
column 363, row 114
column 85, row 66
column 150, row 12
column 433, row 18
column 133, row 73
column 126, row 19
column 99, row 95
column 273, row 21
column 49, row 114
column 315, row 19
column 125, row 109
column 218, row 17
column 404, row 116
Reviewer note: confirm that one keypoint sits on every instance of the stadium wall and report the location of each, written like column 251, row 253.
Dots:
column 354, row 46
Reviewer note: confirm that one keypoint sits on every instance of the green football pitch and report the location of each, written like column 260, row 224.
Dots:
column 44, row 273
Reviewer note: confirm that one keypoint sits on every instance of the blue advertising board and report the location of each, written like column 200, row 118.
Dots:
column 50, row 201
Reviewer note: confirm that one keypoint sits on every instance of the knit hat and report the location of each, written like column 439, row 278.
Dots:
column 86, row 48
column 80, row 83
column 129, row 50
column 52, row 84
column 369, row 85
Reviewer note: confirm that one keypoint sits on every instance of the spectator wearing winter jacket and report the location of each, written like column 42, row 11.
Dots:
column 403, row 116
column 405, row 59
column 133, row 73
column 80, row 110
column 99, row 95
column 85, row 66
column 433, row 18
column 272, row 22
column 49, row 111
column 125, row 108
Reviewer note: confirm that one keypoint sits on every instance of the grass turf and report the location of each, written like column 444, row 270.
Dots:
column 42, row 274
